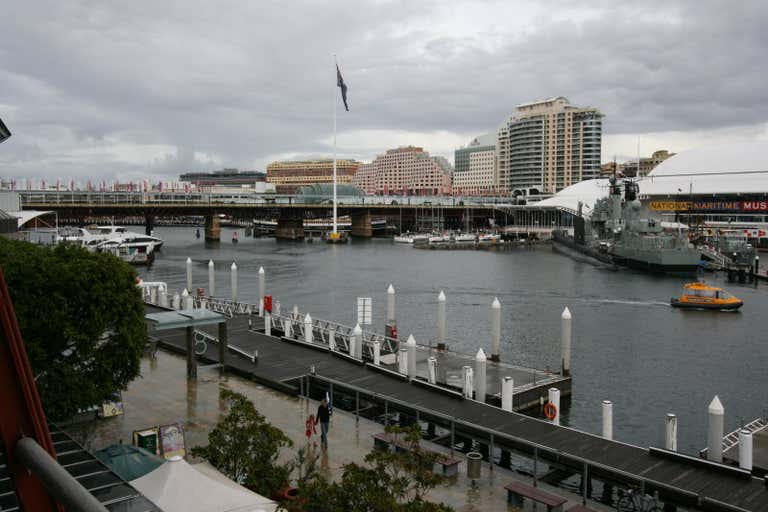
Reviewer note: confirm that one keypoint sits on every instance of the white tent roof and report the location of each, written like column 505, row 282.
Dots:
column 587, row 192
column 736, row 168
column 179, row 487
column 25, row 216
column 733, row 168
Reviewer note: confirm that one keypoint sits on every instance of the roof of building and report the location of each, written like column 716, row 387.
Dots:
column 540, row 102
column 722, row 169
column 734, row 168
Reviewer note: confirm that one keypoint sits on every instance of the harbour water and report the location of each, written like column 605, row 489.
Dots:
column 630, row 346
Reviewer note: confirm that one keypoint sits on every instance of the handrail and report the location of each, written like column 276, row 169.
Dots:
column 57, row 481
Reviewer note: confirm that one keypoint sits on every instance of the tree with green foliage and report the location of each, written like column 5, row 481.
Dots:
column 82, row 320
column 245, row 447
column 393, row 481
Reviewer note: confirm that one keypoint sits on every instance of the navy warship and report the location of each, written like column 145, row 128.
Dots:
column 617, row 232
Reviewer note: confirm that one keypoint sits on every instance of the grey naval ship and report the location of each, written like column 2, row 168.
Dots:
column 617, row 233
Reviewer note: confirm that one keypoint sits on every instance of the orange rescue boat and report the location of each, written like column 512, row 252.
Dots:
column 703, row 296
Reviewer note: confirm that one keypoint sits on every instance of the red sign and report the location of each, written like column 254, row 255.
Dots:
column 268, row 303
column 754, row 206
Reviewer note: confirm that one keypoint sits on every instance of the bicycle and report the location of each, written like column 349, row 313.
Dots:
column 633, row 501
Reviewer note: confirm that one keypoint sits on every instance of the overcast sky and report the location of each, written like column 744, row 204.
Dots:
column 154, row 88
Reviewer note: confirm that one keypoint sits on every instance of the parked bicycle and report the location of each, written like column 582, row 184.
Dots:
column 634, row 501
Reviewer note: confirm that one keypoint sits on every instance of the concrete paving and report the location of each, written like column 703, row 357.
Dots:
column 163, row 395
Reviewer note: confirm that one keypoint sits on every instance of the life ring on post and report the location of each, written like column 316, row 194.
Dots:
column 550, row 411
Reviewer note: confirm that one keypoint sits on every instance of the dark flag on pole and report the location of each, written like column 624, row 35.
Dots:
column 340, row 83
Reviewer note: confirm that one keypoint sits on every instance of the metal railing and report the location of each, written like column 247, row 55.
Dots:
column 335, row 336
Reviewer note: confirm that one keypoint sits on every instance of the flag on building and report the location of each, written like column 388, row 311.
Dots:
column 340, row 83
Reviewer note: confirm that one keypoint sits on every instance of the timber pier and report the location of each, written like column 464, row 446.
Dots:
column 291, row 355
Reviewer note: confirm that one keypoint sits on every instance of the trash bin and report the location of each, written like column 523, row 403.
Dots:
column 473, row 465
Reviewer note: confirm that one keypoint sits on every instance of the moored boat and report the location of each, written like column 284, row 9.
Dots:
column 702, row 296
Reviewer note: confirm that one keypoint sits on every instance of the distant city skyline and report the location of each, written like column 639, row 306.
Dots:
column 146, row 89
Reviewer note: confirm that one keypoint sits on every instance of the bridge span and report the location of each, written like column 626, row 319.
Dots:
column 407, row 213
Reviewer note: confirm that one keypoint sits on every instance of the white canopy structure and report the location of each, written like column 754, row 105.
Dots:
column 719, row 169
column 177, row 486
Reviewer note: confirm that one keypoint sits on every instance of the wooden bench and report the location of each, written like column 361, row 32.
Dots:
column 383, row 441
column 518, row 491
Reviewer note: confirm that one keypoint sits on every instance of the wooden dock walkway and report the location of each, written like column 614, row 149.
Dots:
column 679, row 479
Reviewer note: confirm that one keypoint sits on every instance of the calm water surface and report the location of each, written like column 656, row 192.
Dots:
column 629, row 346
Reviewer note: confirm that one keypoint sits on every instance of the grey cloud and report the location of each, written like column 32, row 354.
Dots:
column 247, row 80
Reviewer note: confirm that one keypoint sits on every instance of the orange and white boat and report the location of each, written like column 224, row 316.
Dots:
column 702, row 296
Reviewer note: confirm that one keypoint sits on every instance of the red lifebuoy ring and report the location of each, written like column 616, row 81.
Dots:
column 550, row 410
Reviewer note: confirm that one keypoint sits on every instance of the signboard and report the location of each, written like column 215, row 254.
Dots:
column 172, row 441
column 149, row 439
column 364, row 310
column 704, row 206
column 110, row 408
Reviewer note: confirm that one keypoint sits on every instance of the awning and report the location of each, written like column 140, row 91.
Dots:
column 184, row 318
column 179, row 487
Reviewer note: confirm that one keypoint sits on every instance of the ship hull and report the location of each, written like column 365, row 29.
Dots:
column 686, row 266
column 712, row 307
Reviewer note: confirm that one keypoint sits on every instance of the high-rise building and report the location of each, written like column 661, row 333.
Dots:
column 548, row 145
column 475, row 167
column 289, row 175
column 406, row 170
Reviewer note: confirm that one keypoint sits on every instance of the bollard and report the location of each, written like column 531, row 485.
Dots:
column 162, row 298
column 432, row 369
column 411, row 346
column 189, row 273
column 376, row 352
column 566, row 342
column 288, row 328
column 267, row 323
column 745, row 449
column 233, row 272
column 715, row 432
column 262, row 288
column 357, row 333
column 402, row 361
column 184, row 297
column 554, row 399
column 466, row 374
column 308, row 328
column 211, row 287
column 495, row 330
column 757, row 264
column 607, row 419
column 479, row 375
column 176, row 302
column 332, row 338
column 507, row 391
column 390, row 330
column 441, row 321
column 670, row 439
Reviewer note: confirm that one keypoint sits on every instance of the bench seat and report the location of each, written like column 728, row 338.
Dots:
column 517, row 491
column 450, row 465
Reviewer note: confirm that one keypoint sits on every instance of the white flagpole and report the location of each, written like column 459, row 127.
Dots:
column 334, row 148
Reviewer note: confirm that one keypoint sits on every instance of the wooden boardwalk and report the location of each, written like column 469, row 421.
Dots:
column 679, row 479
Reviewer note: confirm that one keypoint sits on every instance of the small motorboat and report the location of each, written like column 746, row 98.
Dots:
column 702, row 296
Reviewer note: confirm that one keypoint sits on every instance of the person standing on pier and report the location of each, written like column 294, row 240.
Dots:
column 323, row 417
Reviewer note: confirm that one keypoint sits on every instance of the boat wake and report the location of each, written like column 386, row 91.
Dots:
column 630, row 302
